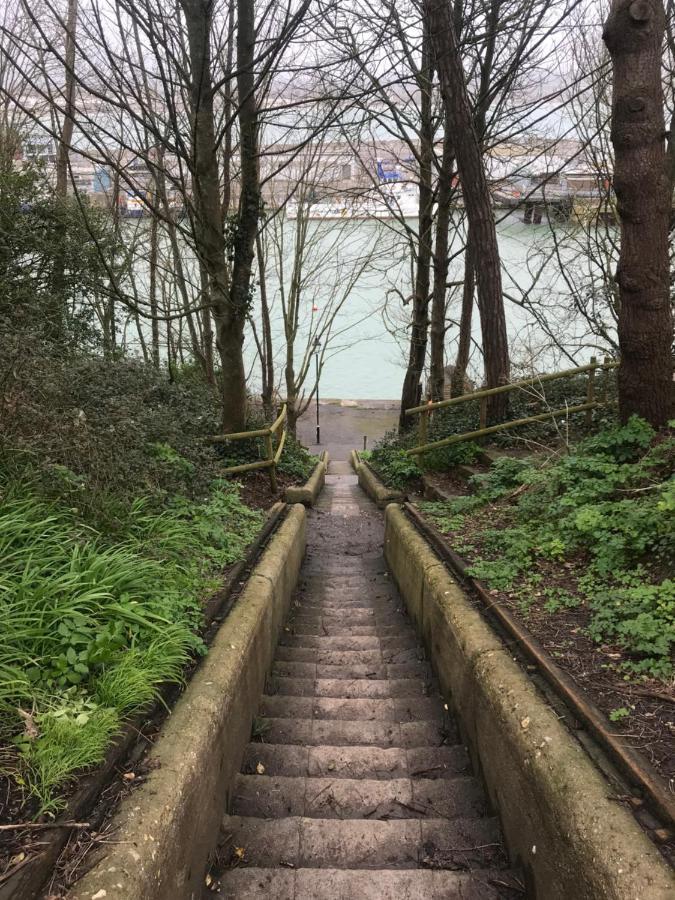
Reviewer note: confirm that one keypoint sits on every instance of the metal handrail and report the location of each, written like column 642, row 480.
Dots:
column 424, row 410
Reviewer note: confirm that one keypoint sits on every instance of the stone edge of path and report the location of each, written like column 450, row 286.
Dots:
column 164, row 832
column 556, row 808
column 371, row 484
column 309, row 492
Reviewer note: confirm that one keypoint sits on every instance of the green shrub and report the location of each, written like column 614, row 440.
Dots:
column 394, row 468
column 608, row 507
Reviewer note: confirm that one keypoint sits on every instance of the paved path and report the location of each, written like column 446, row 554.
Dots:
column 357, row 785
column 343, row 427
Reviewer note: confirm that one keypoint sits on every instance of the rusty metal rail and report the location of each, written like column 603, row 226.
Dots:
column 638, row 771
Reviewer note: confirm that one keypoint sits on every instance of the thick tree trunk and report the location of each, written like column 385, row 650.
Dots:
column 444, row 194
column 466, row 316
column 249, row 201
column 642, row 182
column 476, row 199
column 412, row 383
column 228, row 314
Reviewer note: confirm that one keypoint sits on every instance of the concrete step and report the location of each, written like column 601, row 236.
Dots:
column 381, row 671
column 363, row 884
column 274, row 797
column 394, row 620
column 297, row 841
column 349, row 689
column 349, row 642
column 397, row 709
column 337, row 628
column 347, row 604
column 357, row 761
column 329, row 657
column 322, row 577
column 343, row 733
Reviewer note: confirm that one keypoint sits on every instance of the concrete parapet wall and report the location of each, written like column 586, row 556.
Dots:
column 165, row 830
column 371, row 484
column 309, row 492
column 559, row 819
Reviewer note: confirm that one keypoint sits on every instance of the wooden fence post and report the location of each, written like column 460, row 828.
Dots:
column 269, row 448
column 424, row 426
column 604, row 381
column 483, row 412
column 590, row 391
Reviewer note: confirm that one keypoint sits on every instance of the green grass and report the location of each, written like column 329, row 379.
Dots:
column 91, row 628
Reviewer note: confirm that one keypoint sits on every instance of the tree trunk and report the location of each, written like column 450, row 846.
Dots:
column 266, row 356
column 634, row 35
column 291, row 394
column 227, row 313
column 437, row 354
column 57, row 313
column 464, row 345
column 66, row 139
column 412, row 383
column 154, row 308
column 477, row 201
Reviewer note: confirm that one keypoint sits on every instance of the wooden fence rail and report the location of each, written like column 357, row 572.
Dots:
column 425, row 410
column 272, row 456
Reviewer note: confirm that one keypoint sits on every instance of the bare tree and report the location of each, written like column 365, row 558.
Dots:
column 477, row 200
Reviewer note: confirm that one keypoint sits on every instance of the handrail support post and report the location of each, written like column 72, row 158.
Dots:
column 590, row 391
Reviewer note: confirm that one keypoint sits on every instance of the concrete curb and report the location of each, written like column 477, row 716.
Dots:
column 165, row 830
column 559, row 821
column 309, row 492
column 371, row 484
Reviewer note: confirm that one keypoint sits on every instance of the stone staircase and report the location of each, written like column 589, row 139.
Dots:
column 355, row 783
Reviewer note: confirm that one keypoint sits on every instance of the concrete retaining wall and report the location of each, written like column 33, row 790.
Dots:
column 165, row 830
column 555, row 806
column 371, row 484
column 309, row 492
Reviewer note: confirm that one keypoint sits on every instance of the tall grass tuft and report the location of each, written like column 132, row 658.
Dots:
column 92, row 629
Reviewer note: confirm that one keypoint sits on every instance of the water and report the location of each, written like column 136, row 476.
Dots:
column 353, row 291
column 367, row 347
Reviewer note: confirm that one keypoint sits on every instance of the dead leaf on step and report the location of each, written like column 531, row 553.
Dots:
column 240, row 852
column 260, row 769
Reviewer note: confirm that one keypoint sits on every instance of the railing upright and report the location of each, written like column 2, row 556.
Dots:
column 590, row 390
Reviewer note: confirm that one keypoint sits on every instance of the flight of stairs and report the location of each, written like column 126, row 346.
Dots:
column 355, row 783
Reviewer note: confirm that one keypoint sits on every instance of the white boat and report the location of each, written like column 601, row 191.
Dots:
column 135, row 207
column 391, row 201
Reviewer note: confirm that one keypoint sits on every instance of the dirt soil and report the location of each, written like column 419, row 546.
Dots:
column 447, row 483
column 256, row 491
column 650, row 726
